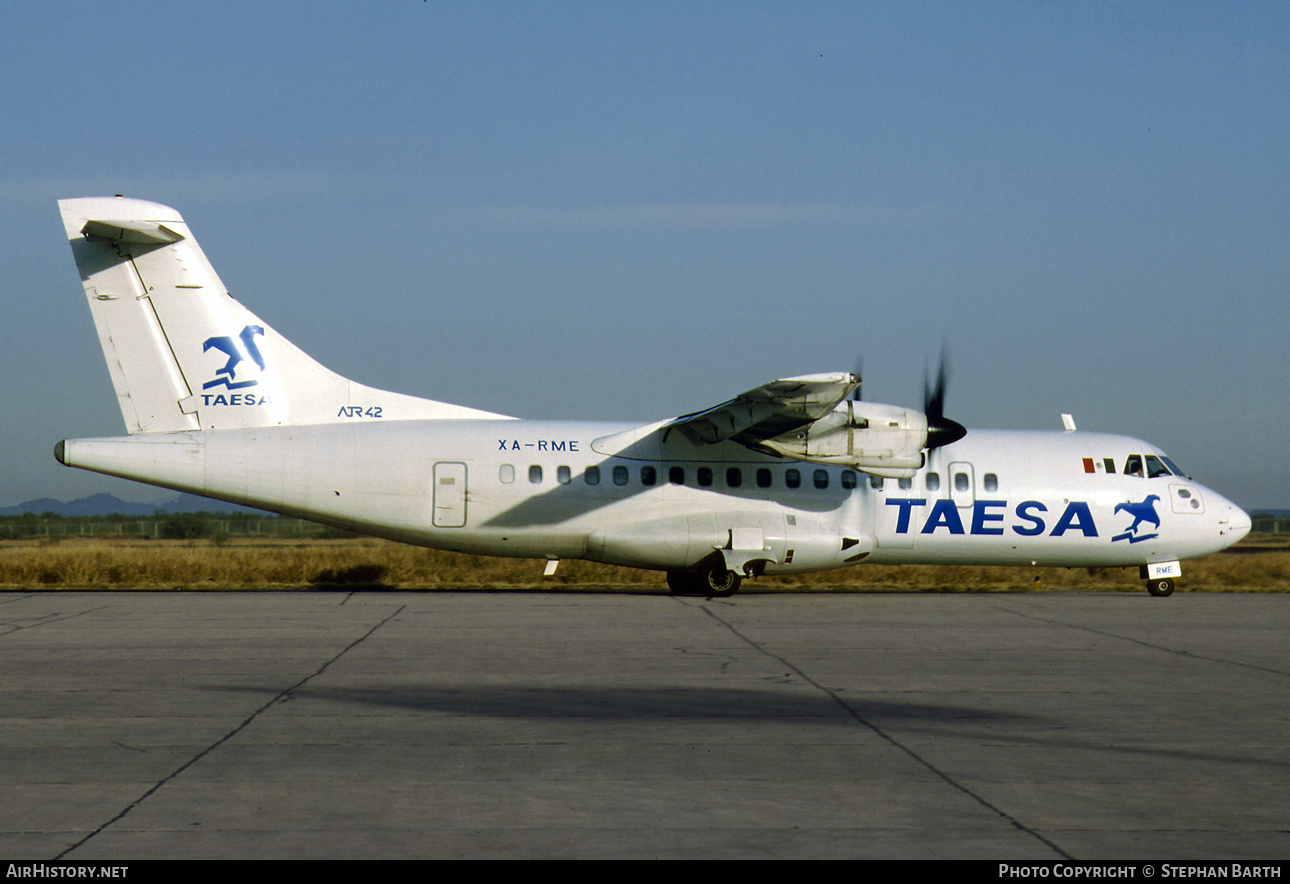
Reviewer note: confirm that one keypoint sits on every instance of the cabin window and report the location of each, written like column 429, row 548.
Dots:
column 535, row 474
column 649, row 476
column 764, row 478
column 875, row 482
column 506, row 473
column 734, row 477
column 620, row 475
column 592, row 476
column 961, row 482
column 793, row 478
column 821, row 478
column 849, row 479
column 676, row 475
column 933, row 481
column 704, row 477
column 991, row 482
column 563, row 475
column 1133, row 465
column 906, row 484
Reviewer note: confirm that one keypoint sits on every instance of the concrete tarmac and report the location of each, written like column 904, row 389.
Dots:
column 576, row 724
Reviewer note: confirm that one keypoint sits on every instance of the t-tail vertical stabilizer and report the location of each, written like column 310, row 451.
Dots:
column 183, row 354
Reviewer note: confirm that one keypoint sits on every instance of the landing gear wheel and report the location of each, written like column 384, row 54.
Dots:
column 1160, row 588
column 685, row 582
column 720, row 582
column 711, row 582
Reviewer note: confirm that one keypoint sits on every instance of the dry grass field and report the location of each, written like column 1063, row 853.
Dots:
column 1260, row 563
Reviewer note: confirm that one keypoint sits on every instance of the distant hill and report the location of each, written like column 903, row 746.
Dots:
column 109, row 505
column 1275, row 514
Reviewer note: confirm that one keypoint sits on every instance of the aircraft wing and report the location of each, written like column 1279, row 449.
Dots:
column 768, row 411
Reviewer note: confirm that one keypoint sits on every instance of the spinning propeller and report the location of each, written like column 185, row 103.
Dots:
column 940, row 429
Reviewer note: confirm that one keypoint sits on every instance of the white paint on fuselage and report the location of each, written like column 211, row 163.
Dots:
column 377, row 477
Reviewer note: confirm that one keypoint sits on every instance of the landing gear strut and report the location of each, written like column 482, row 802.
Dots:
column 713, row 581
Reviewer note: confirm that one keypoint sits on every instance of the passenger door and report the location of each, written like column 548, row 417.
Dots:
column 449, row 495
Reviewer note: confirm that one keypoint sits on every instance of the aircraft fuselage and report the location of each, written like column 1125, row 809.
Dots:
column 628, row 496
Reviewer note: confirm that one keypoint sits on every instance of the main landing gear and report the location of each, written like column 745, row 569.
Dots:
column 1160, row 587
column 709, row 582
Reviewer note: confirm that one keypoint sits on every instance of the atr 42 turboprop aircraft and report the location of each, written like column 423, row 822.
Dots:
column 792, row 476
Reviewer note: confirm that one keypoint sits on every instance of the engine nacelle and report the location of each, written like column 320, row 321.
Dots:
column 885, row 440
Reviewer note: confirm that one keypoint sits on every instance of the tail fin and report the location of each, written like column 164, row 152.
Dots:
column 183, row 354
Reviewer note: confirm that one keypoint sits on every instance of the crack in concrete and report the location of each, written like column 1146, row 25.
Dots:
column 11, row 628
column 1190, row 655
column 282, row 696
column 888, row 738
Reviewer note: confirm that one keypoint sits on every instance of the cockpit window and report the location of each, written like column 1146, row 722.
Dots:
column 1150, row 466
column 1155, row 467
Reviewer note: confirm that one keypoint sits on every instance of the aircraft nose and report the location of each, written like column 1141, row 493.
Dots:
column 1238, row 522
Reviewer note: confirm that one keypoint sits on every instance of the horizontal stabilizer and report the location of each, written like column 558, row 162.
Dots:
column 130, row 231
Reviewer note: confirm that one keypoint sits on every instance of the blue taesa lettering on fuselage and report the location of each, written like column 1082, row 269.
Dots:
column 989, row 517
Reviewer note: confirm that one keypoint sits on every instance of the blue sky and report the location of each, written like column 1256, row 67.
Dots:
column 592, row 210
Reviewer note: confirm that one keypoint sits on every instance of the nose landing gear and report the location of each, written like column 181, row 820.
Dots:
column 1160, row 577
column 1160, row 587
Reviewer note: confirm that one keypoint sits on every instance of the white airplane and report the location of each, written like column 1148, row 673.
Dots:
column 792, row 476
